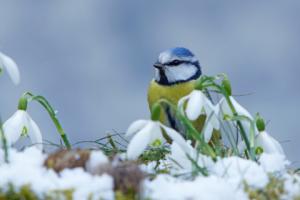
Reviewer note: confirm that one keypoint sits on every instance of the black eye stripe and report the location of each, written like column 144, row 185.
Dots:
column 176, row 62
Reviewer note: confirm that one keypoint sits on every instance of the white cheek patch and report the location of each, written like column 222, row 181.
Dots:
column 157, row 75
column 182, row 72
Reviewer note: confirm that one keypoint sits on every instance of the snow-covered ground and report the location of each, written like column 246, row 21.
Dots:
column 227, row 178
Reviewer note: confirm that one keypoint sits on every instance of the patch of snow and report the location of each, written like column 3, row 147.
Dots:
column 212, row 188
column 96, row 159
column 291, row 186
column 27, row 168
column 236, row 170
column 273, row 162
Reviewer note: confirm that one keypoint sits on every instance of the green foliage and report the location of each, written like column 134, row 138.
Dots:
column 154, row 154
column 12, row 194
column 26, row 193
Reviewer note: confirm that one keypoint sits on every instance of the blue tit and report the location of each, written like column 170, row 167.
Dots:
column 176, row 71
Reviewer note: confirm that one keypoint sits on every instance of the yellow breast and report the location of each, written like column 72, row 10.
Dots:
column 171, row 93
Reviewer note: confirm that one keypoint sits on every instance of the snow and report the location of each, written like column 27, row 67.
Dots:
column 27, row 168
column 273, row 162
column 236, row 170
column 96, row 158
column 226, row 176
column 213, row 188
column 292, row 186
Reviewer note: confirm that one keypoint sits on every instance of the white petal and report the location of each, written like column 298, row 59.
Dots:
column 224, row 107
column 14, row 125
column 181, row 102
column 35, row 134
column 208, row 132
column 240, row 109
column 195, row 105
column 11, row 68
column 157, row 133
column 213, row 114
column 140, row 141
column 225, row 110
column 268, row 143
column 176, row 137
column 135, row 127
column 180, row 157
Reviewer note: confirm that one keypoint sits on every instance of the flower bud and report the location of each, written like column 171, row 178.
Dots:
column 227, row 86
column 22, row 104
column 260, row 123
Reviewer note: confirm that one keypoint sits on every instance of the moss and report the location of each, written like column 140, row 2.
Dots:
column 274, row 190
column 130, row 195
column 24, row 193
column 60, row 194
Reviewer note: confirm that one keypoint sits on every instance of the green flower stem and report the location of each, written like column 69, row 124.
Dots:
column 192, row 133
column 243, row 133
column 225, row 89
column 4, row 142
column 42, row 100
column 22, row 103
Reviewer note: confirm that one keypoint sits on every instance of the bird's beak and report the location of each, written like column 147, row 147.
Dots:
column 158, row 65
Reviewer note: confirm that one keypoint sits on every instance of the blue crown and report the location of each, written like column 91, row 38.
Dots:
column 181, row 52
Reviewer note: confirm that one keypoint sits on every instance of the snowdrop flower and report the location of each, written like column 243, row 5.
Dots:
column 180, row 158
column 6, row 63
column 148, row 132
column 225, row 109
column 268, row 143
column 19, row 124
column 198, row 104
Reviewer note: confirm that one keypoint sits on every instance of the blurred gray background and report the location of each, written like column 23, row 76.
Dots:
column 93, row 59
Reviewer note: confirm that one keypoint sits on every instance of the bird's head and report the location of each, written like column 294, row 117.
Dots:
column 176, row 65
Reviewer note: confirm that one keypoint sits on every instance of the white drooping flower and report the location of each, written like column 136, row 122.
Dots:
column 147, row 132
column 198, row 104
column 225, row 108
column 268, row 143
column 182, row 159
column 21, row 123
column 6, row 63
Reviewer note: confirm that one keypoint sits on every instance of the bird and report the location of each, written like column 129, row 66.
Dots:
column 176, row 71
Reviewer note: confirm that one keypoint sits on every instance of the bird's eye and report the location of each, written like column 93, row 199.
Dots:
column 175, row 62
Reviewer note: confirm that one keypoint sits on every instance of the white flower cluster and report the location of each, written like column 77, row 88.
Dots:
column 197, row 103
column 20, row 123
